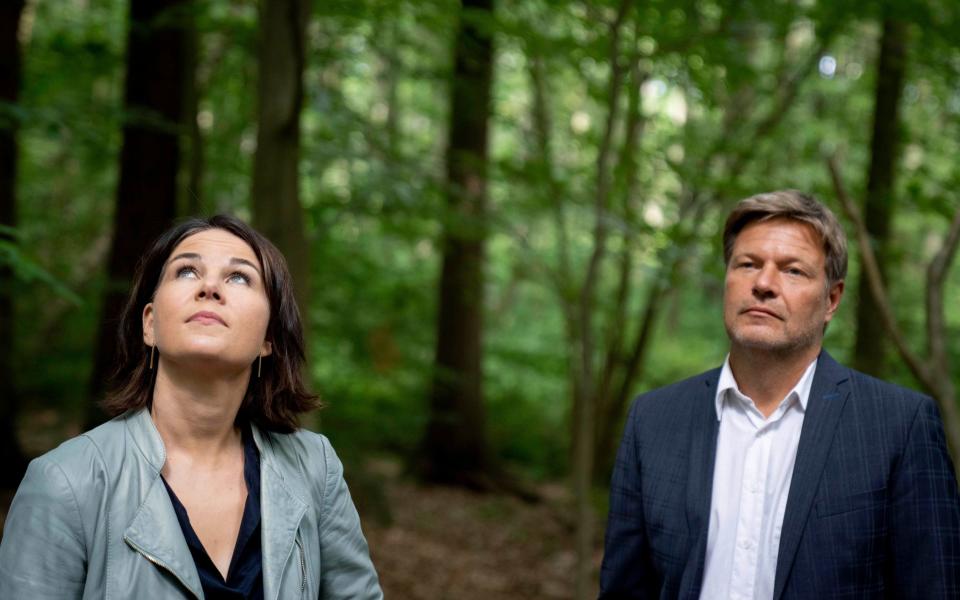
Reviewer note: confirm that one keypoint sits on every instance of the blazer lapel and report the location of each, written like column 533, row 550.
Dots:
column 281, row 511
column 820, row 422
column 703, row 452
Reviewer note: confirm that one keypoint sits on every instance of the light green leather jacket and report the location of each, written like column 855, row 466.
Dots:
column 92, row 519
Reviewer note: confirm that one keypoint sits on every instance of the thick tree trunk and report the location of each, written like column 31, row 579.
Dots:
column 871, row 345
column 454, row 448
column 12, row 461
column 277, row 212
column 149, row 161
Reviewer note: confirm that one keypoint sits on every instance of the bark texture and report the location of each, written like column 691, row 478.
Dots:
column 12, row 461
column 157, row 55
column 869, row 350
column 277, row 211
column 454, row 448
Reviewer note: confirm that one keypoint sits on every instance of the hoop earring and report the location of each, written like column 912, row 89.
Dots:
column 259, row 364
column 152, row 348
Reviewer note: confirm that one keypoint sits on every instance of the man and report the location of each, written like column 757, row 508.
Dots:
column 782, row 474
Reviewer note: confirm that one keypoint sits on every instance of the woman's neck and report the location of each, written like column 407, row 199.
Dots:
column 196, row 413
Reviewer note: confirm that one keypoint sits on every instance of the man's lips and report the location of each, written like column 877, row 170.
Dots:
column 760, row 311
column 207, row 317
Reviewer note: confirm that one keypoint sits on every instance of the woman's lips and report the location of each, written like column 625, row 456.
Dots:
column 207, row 318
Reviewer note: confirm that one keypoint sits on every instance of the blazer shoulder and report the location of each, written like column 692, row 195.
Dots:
column 885, row 395
column 676, row 396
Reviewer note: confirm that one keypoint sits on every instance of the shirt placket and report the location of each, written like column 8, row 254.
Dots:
column 750, row 520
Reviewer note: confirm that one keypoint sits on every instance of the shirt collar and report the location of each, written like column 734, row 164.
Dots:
column 727, row 382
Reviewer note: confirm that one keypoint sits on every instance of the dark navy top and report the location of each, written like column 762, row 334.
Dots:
column 245, row 575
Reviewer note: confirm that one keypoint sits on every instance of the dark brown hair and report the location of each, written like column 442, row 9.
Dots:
column 274, row 400
column 791, row 204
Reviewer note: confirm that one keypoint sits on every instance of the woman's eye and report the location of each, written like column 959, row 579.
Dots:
column 184, row 272
column 239, row 278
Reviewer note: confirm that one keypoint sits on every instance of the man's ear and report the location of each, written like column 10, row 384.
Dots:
column 147, row 320
column 834, row 294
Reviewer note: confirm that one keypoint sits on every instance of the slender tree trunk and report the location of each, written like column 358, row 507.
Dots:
column 277, row 211
column 12, row 461
column 149, row 161
column 869, row 350
column 454, row 449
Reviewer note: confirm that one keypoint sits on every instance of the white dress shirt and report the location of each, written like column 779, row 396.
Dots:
column 751, row 480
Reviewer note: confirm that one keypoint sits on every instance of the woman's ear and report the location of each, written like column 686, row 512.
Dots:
column 266, row 349
column 147, row 319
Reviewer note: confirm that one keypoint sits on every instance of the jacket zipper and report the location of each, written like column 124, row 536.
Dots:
column 303, row 567
column 160, row 564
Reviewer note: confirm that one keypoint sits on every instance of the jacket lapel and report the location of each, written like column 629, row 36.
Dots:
column 155, row 531
column 281, row 511
column 824, row 407
column 703, row 452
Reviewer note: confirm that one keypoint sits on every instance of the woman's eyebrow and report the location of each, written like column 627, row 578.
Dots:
column 186, row 255
column 243, row 261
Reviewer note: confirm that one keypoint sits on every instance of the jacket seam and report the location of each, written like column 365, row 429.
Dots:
column 106, row 569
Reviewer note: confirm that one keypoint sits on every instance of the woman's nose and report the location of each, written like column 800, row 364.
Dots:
column 209, row 288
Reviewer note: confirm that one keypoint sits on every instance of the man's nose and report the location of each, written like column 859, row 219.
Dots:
column 766, row 284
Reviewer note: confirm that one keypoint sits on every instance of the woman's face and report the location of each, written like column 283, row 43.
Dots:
column 210, row 308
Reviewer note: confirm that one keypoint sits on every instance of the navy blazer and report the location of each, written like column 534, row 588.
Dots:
column 873, row 509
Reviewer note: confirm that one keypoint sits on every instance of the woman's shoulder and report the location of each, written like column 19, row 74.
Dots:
column 300, row 446
column 306, row 455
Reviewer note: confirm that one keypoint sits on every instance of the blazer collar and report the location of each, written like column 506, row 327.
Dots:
column 155, row 531
column 827, row 398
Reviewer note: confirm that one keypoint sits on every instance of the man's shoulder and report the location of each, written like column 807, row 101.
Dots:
column 679, row 395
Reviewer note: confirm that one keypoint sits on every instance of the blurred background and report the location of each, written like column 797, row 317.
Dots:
column 502, row 219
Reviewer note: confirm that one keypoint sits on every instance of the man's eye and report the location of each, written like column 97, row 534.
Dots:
column 184, row 272
column 239, row 278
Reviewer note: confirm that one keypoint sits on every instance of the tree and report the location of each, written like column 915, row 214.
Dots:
column 157, row 66
column 276, row 197
column 454, row 448
column 12, row 461
column 878, row 205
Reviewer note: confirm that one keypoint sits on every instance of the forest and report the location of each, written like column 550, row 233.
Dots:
column 502, row 219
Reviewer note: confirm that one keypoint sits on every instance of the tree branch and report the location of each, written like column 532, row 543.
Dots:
column 868, row 262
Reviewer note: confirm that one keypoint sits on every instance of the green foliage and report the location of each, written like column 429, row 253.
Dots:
column 734, row 99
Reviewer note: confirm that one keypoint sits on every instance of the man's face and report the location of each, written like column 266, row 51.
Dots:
column 776, row 297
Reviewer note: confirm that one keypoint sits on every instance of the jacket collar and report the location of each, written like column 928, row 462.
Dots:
column 155, row 531
column 827, row 398
column 824, row 405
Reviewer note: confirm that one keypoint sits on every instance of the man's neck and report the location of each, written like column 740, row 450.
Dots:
column 767, row 377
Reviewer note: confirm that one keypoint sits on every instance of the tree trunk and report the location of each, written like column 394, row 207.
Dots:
column 149, row 161
column 454, row 449
column 869, row 350
column 12, row 461
column 277, row 212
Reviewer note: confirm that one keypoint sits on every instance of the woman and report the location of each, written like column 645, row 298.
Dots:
column 202, row 486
